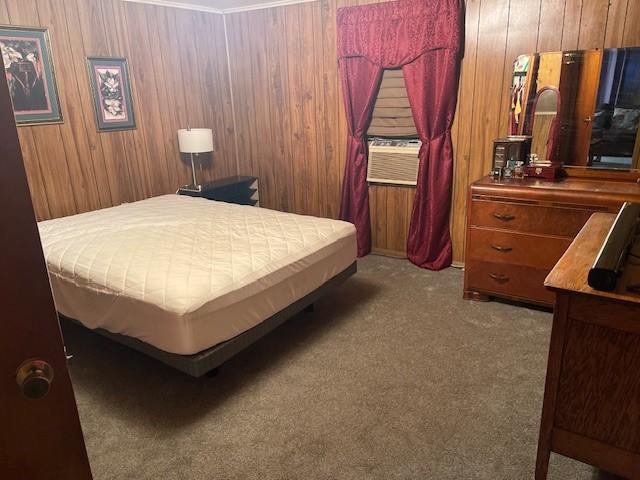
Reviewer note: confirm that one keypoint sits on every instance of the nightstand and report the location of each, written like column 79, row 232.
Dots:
column 242, row 190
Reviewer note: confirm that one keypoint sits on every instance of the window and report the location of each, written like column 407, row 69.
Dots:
column 391, row 114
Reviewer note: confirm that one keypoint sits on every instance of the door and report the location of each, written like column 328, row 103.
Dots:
column 40, row 434
column 586, row 103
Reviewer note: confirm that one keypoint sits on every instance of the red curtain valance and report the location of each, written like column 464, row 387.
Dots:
column 393, row 34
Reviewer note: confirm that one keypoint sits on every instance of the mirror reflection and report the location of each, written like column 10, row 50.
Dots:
column 581, row 107
column 617, row 109
column 544, row 124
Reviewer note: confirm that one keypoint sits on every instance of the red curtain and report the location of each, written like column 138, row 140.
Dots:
column 360, row 84
column 423, row 37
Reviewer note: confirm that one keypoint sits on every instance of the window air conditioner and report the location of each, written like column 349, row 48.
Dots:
column 393, row 161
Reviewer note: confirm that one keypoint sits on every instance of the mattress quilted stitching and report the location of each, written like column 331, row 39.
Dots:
column 179, row 252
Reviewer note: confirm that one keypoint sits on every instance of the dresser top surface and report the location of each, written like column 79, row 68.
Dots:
column 571, row 271
column 563, row 185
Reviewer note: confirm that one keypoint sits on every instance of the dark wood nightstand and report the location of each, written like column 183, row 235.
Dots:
column 242, row 190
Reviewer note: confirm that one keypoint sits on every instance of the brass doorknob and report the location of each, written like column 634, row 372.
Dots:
column 34, row 378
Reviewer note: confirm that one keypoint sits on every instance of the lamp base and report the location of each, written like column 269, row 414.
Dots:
column 190, row 189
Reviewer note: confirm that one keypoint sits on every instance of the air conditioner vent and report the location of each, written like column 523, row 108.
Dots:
column 393, row 161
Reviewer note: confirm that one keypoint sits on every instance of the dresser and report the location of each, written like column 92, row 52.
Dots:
column 591, row 409
column 517, row 229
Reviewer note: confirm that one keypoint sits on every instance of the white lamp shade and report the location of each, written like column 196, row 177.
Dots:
column 195, row 140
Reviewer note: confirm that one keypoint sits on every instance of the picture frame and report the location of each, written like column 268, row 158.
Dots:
column 28, row 62
column 111, row 89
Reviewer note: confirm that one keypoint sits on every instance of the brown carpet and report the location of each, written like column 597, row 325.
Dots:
column 394, row 376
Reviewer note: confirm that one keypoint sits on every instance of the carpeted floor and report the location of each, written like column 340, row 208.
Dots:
column 394, row 376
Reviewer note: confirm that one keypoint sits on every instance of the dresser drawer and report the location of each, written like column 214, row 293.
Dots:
column 562, row 222
column 501, row 279
column 515, row 248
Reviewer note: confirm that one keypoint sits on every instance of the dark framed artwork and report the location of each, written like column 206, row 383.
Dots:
column 111, row 93
column 26, row 53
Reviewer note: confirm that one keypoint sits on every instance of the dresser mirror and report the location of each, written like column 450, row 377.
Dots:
column 582, row 107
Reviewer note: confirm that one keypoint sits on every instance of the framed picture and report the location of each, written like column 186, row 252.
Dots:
column 26, row 53
column 111, row 93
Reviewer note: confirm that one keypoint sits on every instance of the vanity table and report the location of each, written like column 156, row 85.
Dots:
column 517, row 229
column 581, row 110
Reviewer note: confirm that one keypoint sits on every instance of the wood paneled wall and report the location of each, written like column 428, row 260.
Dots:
column 290, row 124
column 290, row 120
column 178, row 66
column 496, row 32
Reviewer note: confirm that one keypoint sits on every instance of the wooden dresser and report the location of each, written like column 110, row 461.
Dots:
column 591, row 408
column 517, row 229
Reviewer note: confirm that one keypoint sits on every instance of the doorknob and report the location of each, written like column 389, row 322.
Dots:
column 587, row 120
column 34, row 378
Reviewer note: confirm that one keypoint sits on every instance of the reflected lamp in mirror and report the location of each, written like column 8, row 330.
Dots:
column 194, row 141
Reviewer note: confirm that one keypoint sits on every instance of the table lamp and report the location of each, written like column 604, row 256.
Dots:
column 194, row 141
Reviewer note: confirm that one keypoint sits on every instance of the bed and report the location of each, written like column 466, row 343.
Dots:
column 192, row 281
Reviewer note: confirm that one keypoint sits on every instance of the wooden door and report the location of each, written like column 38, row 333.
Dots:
column 586, row 103
column 40, row 434
column 569, row 80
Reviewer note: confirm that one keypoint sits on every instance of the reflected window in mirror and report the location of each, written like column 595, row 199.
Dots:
column 615, row 119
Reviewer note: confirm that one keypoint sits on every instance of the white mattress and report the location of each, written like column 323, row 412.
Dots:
column 184, row 274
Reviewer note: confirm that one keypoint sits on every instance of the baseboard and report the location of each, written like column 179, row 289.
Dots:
column 383, row 252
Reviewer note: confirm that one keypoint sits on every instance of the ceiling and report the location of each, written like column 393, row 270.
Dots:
column 221, row 5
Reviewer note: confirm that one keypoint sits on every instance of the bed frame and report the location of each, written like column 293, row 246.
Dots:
column 208, row 360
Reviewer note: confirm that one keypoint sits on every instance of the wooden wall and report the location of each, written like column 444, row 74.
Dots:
column 290, row 121
column 496, row 32
column 178, row 66
column 289, row 116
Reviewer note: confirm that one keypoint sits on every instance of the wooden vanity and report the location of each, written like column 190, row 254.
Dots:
column 517, row 229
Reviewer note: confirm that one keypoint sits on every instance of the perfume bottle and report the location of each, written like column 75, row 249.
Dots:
column 518, row 171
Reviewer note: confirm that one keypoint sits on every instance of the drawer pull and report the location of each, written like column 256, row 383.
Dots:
column 504, row 216
column 500, row 248
column 500, row 278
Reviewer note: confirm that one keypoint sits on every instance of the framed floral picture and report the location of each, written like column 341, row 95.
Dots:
column 28, row 64
column 111, row 93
